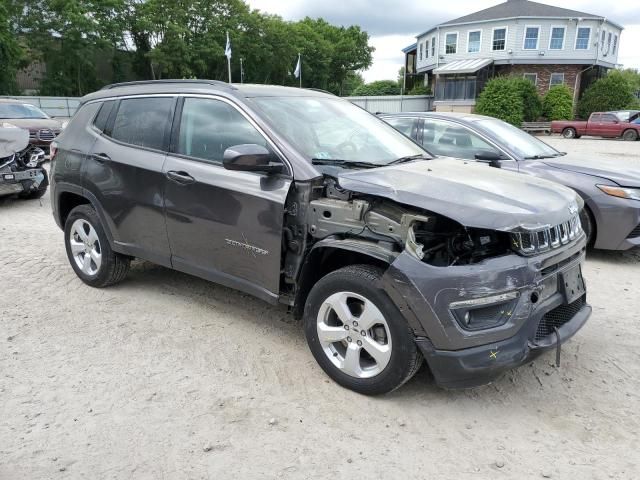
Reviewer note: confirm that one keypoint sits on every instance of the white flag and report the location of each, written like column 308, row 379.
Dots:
column 298, row 69
column 227, row 50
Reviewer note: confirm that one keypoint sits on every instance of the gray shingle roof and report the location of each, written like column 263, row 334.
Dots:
column 519, row 8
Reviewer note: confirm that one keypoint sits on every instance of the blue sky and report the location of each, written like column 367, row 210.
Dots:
column 393, row 25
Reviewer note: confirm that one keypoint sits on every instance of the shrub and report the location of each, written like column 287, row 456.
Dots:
column 420, row 90
column 612, row 92
column 530, row 99
column 558, row 103
column 380, row 87
column 501, row 98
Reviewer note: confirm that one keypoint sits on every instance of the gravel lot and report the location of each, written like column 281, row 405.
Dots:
column 167, row 376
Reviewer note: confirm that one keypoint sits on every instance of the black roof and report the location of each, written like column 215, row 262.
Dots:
column 520, row 8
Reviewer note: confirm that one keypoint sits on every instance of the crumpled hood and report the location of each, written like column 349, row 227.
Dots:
column 624, row 171
column 473, row 194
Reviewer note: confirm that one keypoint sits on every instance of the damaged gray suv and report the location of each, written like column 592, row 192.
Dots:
column 303, row 199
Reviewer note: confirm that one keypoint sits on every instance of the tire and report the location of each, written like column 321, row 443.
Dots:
column 344, row 353
column 90, row 254
column 39, row 193
column 588, row 225
column 630, row 135
column 569, row 133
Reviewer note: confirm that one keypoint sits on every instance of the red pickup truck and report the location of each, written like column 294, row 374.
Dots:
column 600, row 124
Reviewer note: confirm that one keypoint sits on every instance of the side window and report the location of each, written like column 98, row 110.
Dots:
column 101, row 119
column 208, row 127
column 448, row 139
column 596, row 118
column 143, row 121
column 403, row 125
column 609, row 118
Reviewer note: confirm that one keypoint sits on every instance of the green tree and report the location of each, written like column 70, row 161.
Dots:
column 501, row 98
column 558, row 103
column 612, row 92
column 532, row 105
column 379, row 87
column 12, row 54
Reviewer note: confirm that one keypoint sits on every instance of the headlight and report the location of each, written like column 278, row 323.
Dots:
column 64, row 124
column 621, row 192
column 7, row 125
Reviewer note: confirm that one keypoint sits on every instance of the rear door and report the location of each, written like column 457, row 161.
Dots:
column 225, row 226
column 124, row 174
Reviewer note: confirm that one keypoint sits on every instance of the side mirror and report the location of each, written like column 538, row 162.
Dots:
column 489, row 156
column 251, row 158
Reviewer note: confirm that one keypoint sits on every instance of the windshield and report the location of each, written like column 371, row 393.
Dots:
column 20, row 111
column 330, row 129
column 523, row 144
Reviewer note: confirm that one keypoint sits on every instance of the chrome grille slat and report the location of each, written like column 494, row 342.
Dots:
column 542, row 240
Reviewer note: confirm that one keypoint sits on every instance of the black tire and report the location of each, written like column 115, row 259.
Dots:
column 39, row 193
column 114, row 267
column 405, row 358
column 630, row 135
column 569, row 133
column 588, row 225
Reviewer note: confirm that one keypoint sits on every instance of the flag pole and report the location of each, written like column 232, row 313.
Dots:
column 241, row 71
column 229, row 67
column 300, row 63
column 227, row 52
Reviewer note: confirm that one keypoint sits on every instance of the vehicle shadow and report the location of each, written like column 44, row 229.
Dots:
column 613, row 256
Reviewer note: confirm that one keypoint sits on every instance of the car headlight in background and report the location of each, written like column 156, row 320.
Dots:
column 621, row 192
column 7, row 125
column 64, row 124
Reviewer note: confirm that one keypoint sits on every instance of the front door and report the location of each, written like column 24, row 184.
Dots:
column 225, row 226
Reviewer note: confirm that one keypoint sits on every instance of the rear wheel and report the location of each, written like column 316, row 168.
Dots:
column 89, row 251
column 356, row 333
column 630, row 135
column 569, row 133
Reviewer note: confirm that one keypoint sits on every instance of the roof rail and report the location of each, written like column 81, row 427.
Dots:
column 321, row 91
column 216, row 83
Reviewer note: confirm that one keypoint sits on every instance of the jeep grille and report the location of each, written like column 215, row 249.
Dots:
column 539, row 241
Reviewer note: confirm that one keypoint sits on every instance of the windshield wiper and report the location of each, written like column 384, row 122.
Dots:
column 343, row 163
column 409, row 158
column 539, row 157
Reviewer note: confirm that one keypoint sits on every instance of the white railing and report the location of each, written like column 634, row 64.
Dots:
column 394, row 103
column 52, row 106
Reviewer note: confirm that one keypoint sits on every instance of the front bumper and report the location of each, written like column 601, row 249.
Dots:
column 21, row 181
column 460, row 357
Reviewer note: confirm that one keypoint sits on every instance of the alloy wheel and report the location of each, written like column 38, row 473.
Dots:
column 85, row 247
column 354, row 334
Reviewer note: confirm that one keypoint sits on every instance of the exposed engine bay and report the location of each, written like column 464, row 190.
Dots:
column 21, row 169
column 430, row 237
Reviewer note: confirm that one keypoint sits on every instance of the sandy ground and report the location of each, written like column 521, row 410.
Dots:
column 167, row 376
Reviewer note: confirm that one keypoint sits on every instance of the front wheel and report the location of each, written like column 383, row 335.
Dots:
column 630, row 135
column 586, row 219
column 89, row 251
column 569, row 133
column 357, row 335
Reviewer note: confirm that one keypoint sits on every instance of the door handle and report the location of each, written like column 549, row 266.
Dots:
column 101, row 157
column 182, row 178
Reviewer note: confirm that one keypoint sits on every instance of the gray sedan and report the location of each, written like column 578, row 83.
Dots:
column 610, row 189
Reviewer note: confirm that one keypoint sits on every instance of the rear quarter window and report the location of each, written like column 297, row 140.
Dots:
column 143, row 122
column 100, row 122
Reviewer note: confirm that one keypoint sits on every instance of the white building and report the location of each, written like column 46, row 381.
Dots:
column 548, row 45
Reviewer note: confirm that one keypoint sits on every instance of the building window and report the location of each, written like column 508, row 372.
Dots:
column 451, row 42
column 420, row 54
column 499, row 39
column 615, row 44
column 557, row 38
column 531, row 35
column 609, row 42
column 532, row 77
column 602, row 39
column 426, row 49
column 556, row 79
column 583, row 38
column 433, row 47
column 474, row 41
